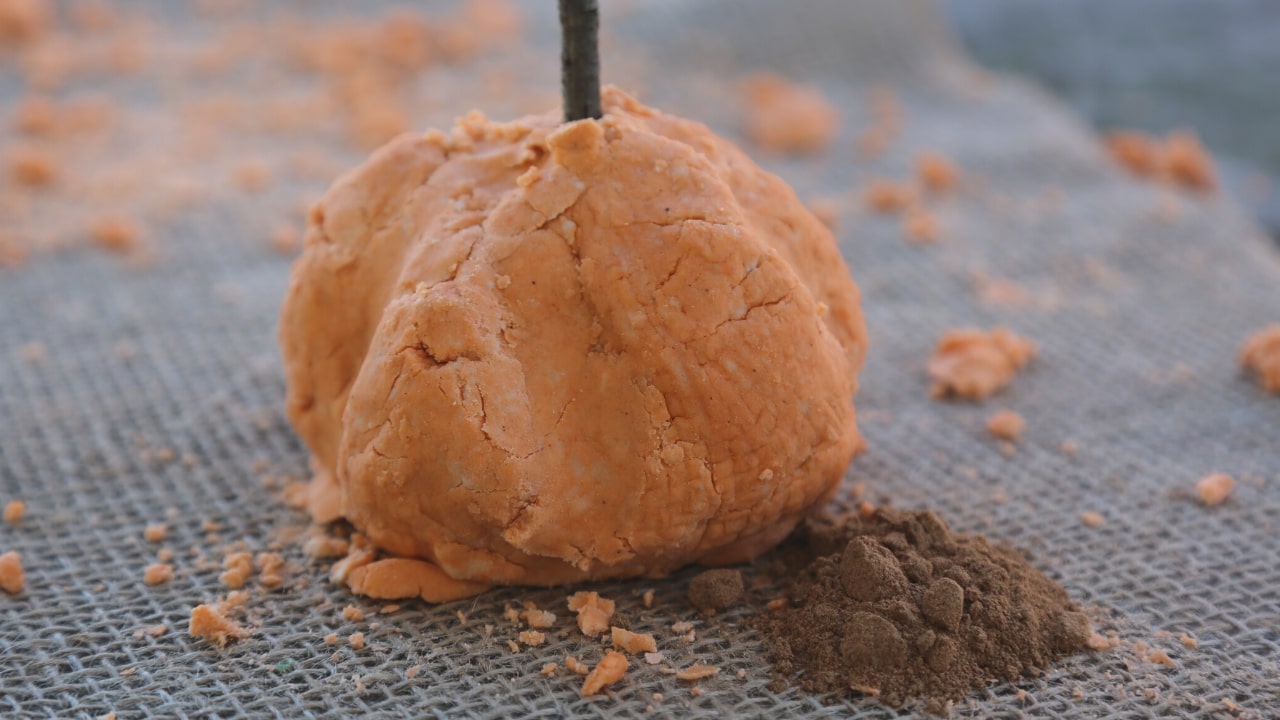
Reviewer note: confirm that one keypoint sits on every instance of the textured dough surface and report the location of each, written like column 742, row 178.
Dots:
column 536, row 353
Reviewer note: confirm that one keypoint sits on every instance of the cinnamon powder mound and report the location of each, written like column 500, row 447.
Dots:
column 896, row 605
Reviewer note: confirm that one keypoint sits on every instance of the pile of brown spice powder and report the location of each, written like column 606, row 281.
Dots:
column 895, row 605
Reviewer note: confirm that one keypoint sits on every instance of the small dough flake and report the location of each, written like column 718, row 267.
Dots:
column 1215, row 489
column 13, row 511
column 1006, row 425
column 593, row 612
column 1261, row 356
column 973, row 364
column 786, row 117
column 12, row 578
column 632, row 642
column 611, row 668
column 697, row 671
column 209, row 623
column 158, row 574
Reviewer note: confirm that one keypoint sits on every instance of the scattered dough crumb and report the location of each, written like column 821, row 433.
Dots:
column 887, row 196
column 697, row 671
column 973, row 364
column 158, row 574
column 532, row 637
column 114, row 233
column 593, row 611
column 921, row 227
column 1187, row 162
column 155, row 533
column 936, row 172
column 572, row 664
column 785, row 117
column 1160, row 657
column 32, row 167
column 270, row 569
column 548, row 669
column 1092, row 519
column 331, row 639
column 412, row 672
column 156, row 631
column 12, row 578
column 13, row 511
column 539, row 619
column 320, row 546
column 1006, row 425
column 1214, row 489
column 210, row 624
column 238, row 566
column 1261, row 356
column 632, row 642
column 653, row 658
column 356, row 640
column 608, row 671
column 1188, row 641
column 352, row 613
column 647, row 598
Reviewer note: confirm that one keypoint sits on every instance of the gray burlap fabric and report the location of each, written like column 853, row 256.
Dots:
column 1138, row 312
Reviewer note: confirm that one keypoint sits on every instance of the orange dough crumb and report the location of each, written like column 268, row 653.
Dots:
column 331, row 639
column 608, row 671
column 32, row 167
column 24, row 20
column 237, row 569
column 539, row 619
column 973, row 364
column 633, row 643
column 155, row 533
column 158, row 574
column 647, row 598
column 572, row 665
column 1188, row 641
column 1161, row 657
column 936, row 172
column 549, row 669
column 1006, row 425
column 593, row 612
column 1179, row 159
column 285, row 240
column 253, row 175
column 356, row 640
column 270, row 569
column 1187, row 162
column 1215, row 489
column 697, row 671
column 36, row 116
column 114, row 233
column 1092, row 519
column 1261, row 356
column 921, row 227
column 785, row 117
column 887, row 196
column 11, row 576
column 532, row 637
column 412, row 672
column 1135, row 151
column 13, row 511
column 210, row 624
column 351, row 613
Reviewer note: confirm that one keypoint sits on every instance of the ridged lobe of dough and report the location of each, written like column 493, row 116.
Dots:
column 536, row 353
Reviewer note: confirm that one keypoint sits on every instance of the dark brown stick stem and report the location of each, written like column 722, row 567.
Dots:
column 580, row 59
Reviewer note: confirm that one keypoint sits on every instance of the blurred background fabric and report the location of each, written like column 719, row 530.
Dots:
column 146, row 388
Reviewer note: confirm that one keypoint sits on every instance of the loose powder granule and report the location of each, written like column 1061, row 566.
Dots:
column 716, row 590
column 898, row 606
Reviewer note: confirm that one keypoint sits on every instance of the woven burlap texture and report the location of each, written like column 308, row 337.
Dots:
column 1137, row 296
